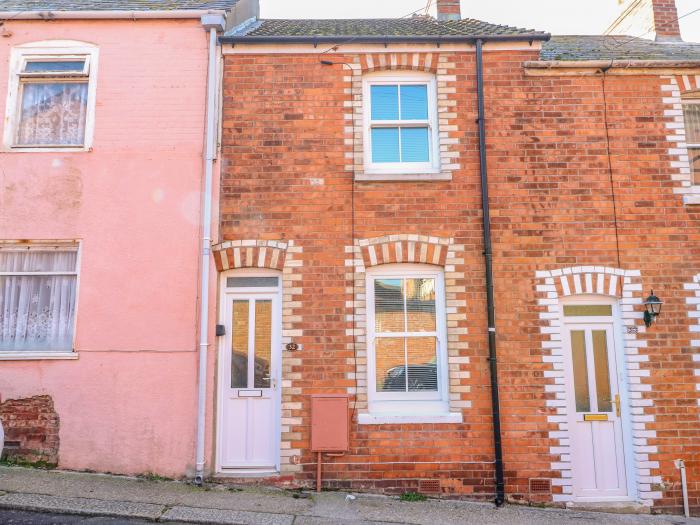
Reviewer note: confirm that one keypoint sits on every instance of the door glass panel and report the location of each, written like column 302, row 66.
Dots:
column 422, row 364
column 390, row 364
column 263, row 343
column 420, row 305
column 578, row 358
column 388, row 305
column 239, row 344
column 602, row 373
column 585, row 310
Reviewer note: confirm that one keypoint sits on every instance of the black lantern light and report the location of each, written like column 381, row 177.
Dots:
column 653, row 309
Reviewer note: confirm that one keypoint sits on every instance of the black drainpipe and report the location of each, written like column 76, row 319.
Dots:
column 488, row 256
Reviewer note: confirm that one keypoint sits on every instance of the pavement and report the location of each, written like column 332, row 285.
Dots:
column 30, row 496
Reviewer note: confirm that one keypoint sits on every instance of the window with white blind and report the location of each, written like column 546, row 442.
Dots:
column 691, row 116
column 400, row 121
column 406, row 340
column 52, row 96
column 38, row 287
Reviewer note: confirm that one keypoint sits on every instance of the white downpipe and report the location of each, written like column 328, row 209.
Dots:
column 206, row 251
column 680, row 464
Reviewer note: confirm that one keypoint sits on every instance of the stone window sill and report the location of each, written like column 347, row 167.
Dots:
column 400, row 419
column 402, row 177
column 36, row 356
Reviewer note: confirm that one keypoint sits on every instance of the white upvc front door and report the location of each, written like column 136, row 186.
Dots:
column 594, row 408
column 248, row 426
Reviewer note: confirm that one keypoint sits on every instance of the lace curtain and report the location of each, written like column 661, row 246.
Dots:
column 53, row 113
column 37, row 311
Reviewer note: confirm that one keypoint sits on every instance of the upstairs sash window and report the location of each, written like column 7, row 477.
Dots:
column 401, row 132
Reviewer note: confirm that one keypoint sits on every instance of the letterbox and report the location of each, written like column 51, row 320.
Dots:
column 329, row 423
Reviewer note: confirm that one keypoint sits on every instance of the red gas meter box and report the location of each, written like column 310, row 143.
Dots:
column 330, row 429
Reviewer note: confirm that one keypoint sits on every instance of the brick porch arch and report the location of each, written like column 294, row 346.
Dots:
column 626, row 286
column 229, row 255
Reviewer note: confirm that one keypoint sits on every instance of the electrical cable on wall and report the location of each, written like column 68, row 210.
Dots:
column 610, row 167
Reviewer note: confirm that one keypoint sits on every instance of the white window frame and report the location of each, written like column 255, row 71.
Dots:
column 412, row 404
column 694, row 100
column 32, row 355
column 402, row 78
column 68, row 50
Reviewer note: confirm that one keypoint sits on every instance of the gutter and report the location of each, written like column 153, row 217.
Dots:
column 374, row 39
column 488, row 263
column 108, row 15
column 607, row 64
column 213, row 24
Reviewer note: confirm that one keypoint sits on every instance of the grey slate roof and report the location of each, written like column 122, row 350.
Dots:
column 609, row 47
column 113, row 5
column 377, row 28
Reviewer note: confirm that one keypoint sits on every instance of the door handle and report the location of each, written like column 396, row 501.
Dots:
column 617, row 405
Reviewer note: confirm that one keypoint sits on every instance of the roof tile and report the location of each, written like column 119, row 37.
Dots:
column 416, row 26
column 616, row 47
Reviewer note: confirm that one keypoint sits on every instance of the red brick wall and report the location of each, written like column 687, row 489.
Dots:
column 284, row 177
column 31, row 430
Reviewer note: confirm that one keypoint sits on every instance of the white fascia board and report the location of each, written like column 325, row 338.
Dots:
column 107, row 15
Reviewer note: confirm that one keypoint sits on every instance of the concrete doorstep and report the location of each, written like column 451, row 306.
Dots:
column 178, row 502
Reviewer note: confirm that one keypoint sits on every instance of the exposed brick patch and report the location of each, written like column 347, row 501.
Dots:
column 34, row 424
column 249, row 254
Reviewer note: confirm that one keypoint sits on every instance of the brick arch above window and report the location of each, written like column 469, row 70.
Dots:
column 229, row 255
column 399, row 62
column 688, row 84
column 404, row 248
column 595, row 280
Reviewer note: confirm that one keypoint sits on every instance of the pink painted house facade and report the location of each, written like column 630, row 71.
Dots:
column 102, row 172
